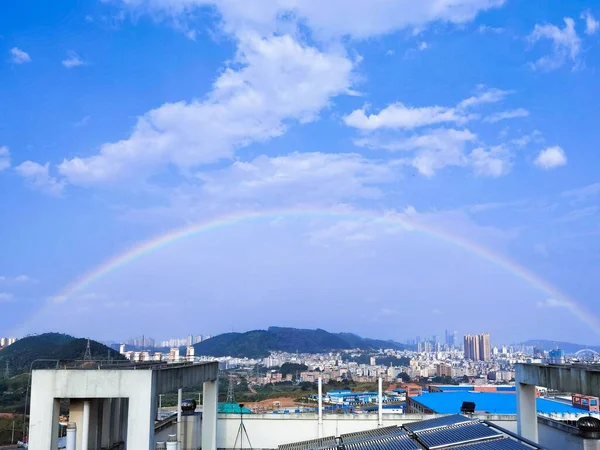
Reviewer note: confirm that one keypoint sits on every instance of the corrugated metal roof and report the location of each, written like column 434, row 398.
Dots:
column 446, row 437
column 497, row 444
column 438, row 422
column 491, row 402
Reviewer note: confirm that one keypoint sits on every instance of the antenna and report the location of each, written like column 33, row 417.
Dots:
column 88, row 352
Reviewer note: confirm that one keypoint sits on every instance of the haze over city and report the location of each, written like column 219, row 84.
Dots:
column 186, row 166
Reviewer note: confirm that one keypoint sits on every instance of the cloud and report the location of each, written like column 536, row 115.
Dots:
column 84, row 120
column 591, row 24
column 583, row 193
column 38, row 177
column 4, row 158
column 399, row 116
column 280, row 81
column 483, row 29
column 553, row 303
column 18, row 56
column 493, row 163
column 72, row 60
column 303, row 177
column 551, row 158
column 566, row 45
column 485, row 96
column 513, row 114
column 6, row 297
column 360, row 19
column 578, row 214
column 17, row 279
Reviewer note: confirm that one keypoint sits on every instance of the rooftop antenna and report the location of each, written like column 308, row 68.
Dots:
column 88, row 352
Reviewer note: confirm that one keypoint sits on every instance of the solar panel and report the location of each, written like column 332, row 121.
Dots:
column 368, row 434
column 313, row 444
column 438, row 422
column 402, row 442
column 497, row 444
column 445, row 437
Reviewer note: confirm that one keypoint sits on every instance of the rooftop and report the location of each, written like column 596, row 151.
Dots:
column 490, row 402
column 448, row 432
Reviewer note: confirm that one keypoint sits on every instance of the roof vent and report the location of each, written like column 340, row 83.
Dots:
column 588, row 423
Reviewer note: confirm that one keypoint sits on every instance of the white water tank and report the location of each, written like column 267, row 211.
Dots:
column 71, row 436
column 172, row 443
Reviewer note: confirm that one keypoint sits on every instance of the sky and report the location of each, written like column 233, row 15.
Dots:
column 389, row 168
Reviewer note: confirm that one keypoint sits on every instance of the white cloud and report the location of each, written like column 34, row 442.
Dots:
column 4, row 158
column 399, row 116
column 280, row 81
column 18, row 56
column 299, row 177
column 38, row 177
column 423, row 46
column 6, row 297
column 72, row 60
column 583, row 193
column 17, row 279
column 84, row 120
column 359, row 19
column 488, row 29
column 484, row 96
column 591, row 24
column 493, row 163
column 551, row 158
column 513, row 114
column 566, row 44
column 578, row 214
column 553, row 303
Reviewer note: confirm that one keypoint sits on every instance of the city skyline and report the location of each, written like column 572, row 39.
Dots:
column 198, row 165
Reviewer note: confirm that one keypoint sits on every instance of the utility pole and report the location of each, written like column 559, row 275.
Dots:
column 12, row 439
column 88, row 352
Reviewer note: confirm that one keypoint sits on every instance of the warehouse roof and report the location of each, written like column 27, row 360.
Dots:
column 490, row 402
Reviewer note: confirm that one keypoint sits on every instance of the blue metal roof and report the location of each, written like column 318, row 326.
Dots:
column 491, row 402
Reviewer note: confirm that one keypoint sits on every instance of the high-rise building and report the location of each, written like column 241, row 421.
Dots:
column 485, row 349
column 478, row 348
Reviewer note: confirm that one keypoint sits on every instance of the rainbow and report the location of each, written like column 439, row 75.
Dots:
column 152, row 245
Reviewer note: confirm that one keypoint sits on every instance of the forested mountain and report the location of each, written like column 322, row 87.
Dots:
column 258, row 343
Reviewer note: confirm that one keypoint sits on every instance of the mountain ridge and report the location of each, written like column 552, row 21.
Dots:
column 259, row 343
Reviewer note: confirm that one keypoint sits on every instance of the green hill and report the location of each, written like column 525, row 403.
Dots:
column 258, row 343
column 22, row 353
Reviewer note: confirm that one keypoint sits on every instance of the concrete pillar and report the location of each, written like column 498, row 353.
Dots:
column 209, row 414
column 179, row 400
column 380, row 402
column 85, row 428
column 105, row 423
column 527, row 425
column 320, row 407
column 43, row 420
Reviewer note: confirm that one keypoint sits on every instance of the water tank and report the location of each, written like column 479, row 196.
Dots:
column 161, row 446
column 589, row 424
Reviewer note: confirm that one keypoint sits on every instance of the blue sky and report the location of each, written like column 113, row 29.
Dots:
column 124, row 119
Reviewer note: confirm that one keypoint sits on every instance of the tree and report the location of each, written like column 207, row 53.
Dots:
column 404, row 377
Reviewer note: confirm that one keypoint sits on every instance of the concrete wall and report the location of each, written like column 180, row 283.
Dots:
column 136, row 385
column 267, row 431
column 579, row 380
column 555, row 439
